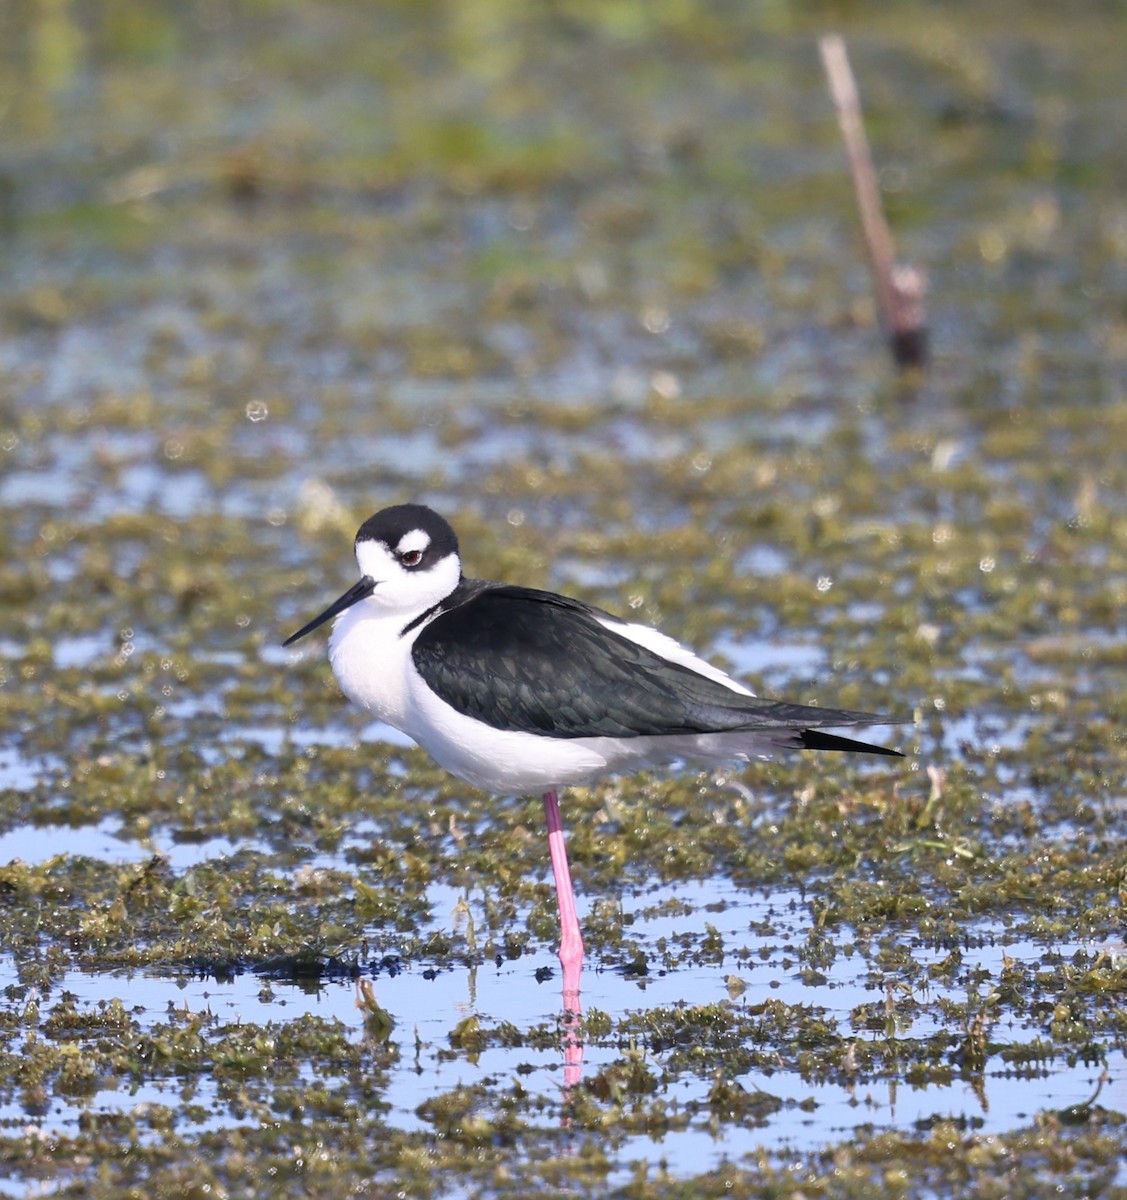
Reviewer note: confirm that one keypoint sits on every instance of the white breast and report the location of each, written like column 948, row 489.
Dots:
column 372, row 662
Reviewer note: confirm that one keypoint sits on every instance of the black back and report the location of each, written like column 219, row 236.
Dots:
column 520, row 659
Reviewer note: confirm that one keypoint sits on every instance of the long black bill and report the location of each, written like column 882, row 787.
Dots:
column 356, row 593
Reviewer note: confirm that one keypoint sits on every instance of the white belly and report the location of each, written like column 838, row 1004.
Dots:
column 511, row 763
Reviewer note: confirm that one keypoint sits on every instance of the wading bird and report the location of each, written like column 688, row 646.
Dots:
column 519, row 691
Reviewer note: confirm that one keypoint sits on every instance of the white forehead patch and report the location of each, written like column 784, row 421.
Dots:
column 417, row 539
column 374, row 559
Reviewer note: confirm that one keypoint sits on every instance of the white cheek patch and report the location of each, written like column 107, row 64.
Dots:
column 417, row 539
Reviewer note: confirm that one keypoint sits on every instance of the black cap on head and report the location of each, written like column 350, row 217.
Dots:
column 391, row 525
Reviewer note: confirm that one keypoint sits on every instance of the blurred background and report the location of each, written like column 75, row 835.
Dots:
column 587, row 278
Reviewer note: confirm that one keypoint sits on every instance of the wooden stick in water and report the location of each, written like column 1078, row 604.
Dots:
column 900, row 289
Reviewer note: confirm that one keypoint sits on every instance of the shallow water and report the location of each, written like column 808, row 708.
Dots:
column 810, row 1113
column 586, row 279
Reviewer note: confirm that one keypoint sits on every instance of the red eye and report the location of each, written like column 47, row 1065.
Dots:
column 411, row 558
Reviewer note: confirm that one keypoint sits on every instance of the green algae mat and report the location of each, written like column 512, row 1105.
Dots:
column 586, row 278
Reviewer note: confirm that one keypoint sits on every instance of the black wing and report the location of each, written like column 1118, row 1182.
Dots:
column 519, row 659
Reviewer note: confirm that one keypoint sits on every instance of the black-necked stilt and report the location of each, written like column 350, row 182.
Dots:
column 517, row 690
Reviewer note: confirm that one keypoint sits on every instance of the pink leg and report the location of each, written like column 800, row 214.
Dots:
column 572, row 1041
column 571, row 940
column 571, row 946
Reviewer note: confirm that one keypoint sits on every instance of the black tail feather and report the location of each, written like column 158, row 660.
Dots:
column 816, row 739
